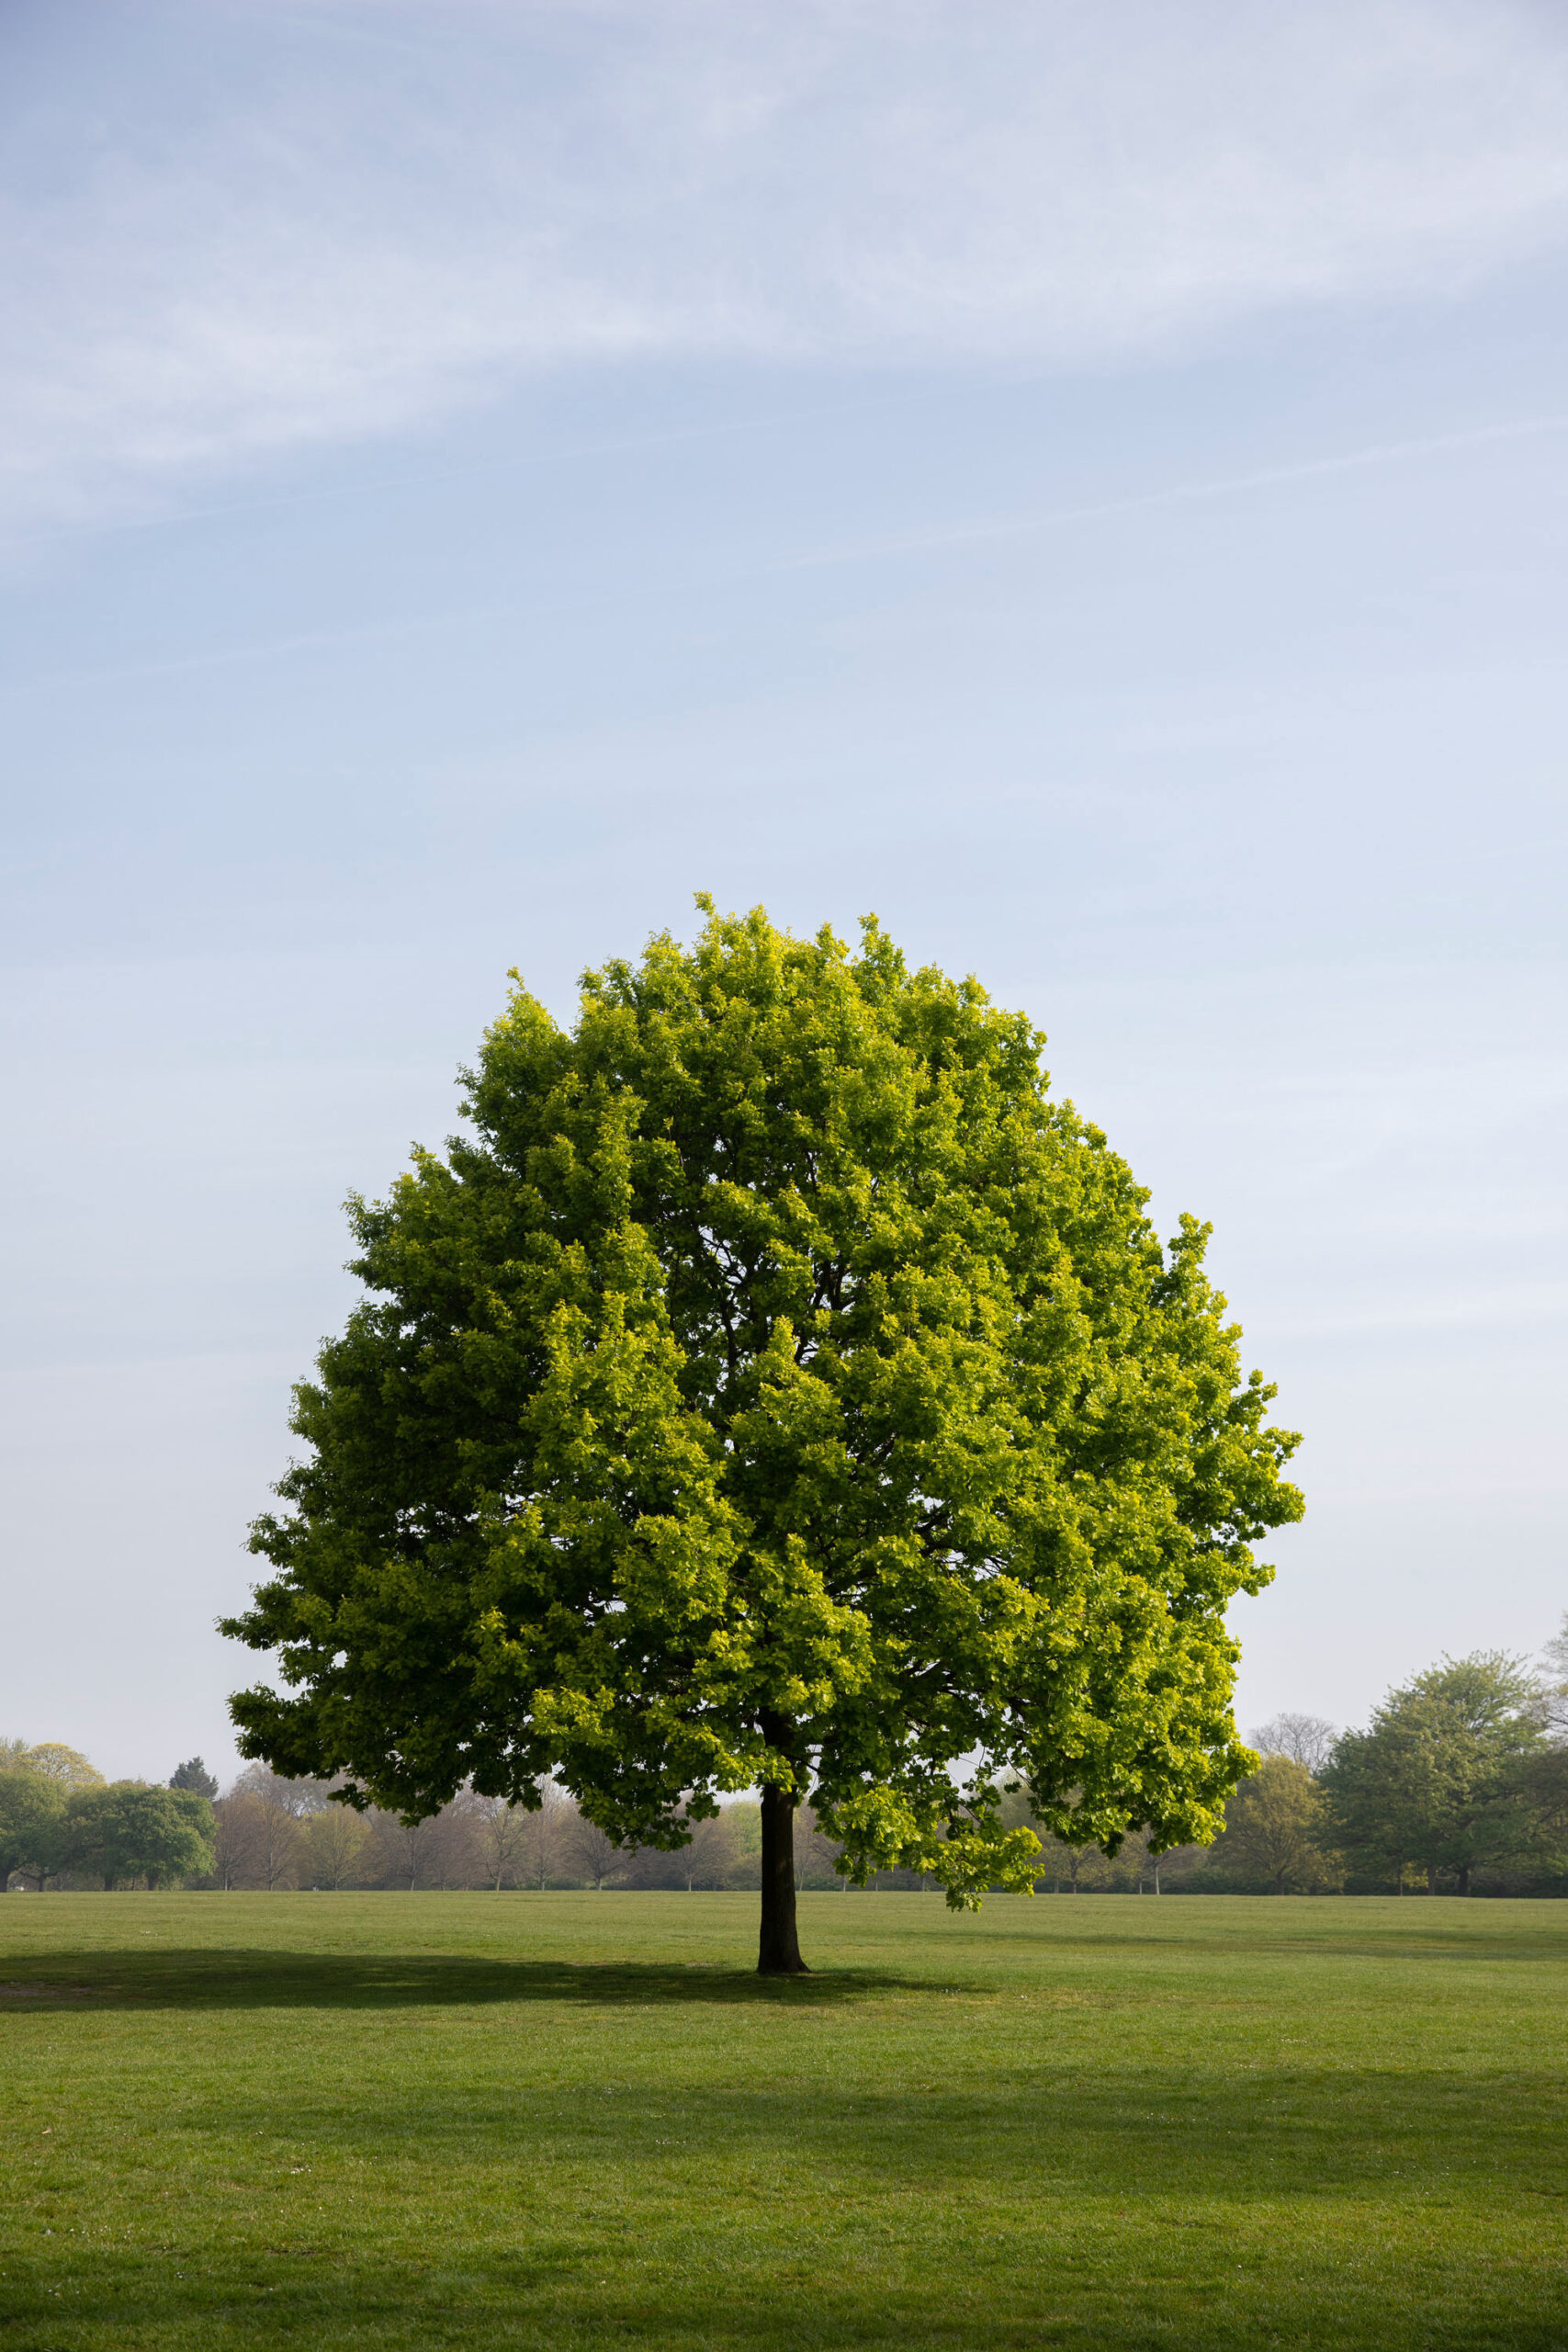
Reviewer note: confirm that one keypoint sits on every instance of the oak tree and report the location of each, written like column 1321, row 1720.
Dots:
column 774, row 1387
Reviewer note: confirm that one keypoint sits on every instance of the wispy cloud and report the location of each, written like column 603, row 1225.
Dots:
column 242, row 229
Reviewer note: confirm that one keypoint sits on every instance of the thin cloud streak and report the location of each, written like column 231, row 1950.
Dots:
column 868, row 551
column 1178, row 494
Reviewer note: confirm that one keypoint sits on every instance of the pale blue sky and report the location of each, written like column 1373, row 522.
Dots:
column 1087, row 484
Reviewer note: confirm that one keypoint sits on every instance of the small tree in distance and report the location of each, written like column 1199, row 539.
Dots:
column 1435, row 1778
column 194, row 1774
column 54, row 1761
column 278, row 1811
column 775, row 1389
column 1307, row 1740
column 548, row 1820
column 127, row 1831
column 501, row 1829
column 32, row 1811
column 1554, row 1657
column 335, row 1838
column 1273, row 1826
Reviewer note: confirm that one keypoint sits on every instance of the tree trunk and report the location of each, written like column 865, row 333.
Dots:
column 1431, row 1878
column 1464, row 1879
column 779, row 1949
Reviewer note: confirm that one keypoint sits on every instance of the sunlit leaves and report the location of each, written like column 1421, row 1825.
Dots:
column 774, row 1385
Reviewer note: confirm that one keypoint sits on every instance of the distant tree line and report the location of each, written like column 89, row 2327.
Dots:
column 63, row 1824
column 1458, row 1785
column 274, row 1833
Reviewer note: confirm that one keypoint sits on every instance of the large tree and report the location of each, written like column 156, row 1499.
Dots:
column 774, row 1387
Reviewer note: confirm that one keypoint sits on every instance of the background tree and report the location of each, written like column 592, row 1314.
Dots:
column 1555, row 1661
column 237, row 1841
column 716, row 1855
column 335, row 1839
column 194, row 1774
column 549, row 1814
column 1133, row 1861
column 1538, row 1788
column 402, row 1853
column 1274, row 1826
column 501, row 1837
column 1307, row 1740
column 1436, row 1780
column 279, row 1808
column 32, row 1810
column 591, row 1853
column 55, row 1761
column 774, row 1389
column 816, row 1854
column 459, row 1859
column 127, row 1831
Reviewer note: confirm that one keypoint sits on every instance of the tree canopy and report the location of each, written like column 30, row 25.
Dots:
column 127, row 1831
column 1438, row 1778
column 53, row 1760
column 32, row 1808
column 1272, row 1827
column 774, row 1386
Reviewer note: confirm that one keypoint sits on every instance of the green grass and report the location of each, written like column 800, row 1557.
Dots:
column 575, row 2120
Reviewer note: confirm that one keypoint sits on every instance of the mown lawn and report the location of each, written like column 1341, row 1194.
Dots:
column 573, row 2120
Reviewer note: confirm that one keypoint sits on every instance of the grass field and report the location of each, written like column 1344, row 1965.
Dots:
column 572, row 2120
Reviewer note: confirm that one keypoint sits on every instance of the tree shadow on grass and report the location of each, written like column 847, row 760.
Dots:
column 267, row 1980
column 577, row 2292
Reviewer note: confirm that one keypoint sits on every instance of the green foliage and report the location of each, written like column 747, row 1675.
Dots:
column 127, row 1831
column 1439, row 1776
column 31, row 1812
column 53, row 1760
column 566, row 2123
column 1275, row 1829
column 194, row 1774
column 34, row 1782
column 775, row 1388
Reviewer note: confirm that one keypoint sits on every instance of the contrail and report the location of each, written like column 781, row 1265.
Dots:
column 869, row 552
column 1177, row 494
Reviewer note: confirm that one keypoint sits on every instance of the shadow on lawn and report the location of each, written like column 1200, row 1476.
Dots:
column 576, row 2297
column 268, row 1980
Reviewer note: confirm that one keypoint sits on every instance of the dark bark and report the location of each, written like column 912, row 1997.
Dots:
column 779, row 1951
